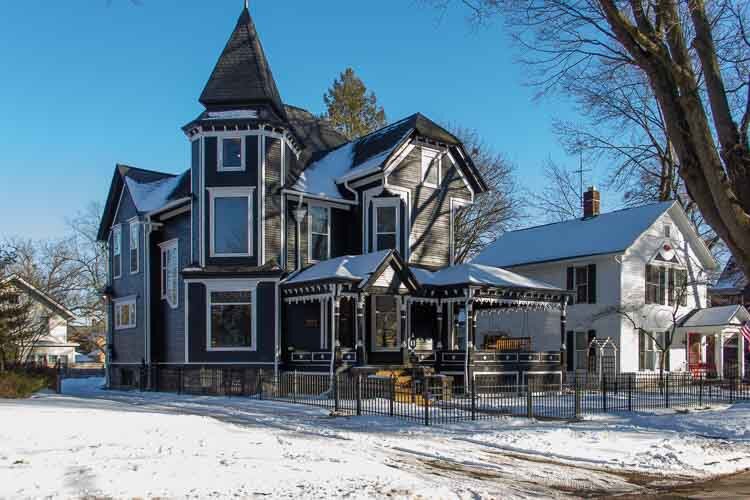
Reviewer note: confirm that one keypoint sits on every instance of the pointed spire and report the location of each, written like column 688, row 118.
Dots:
column 242, row 75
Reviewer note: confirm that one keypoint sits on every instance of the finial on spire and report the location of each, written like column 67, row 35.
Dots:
column 247, row 4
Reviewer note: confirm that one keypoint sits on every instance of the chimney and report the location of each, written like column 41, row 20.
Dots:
column 591, row 203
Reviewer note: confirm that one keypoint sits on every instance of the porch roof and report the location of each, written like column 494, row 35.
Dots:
column 478, row 275
column 715, row 316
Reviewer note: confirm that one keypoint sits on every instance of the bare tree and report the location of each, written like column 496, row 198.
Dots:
column 561, row 198
column 695, row 58
column 494, row 211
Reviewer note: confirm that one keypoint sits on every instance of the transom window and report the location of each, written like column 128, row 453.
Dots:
column 230, row 320
column 116, row 252
column 231, row 157
column 386, row 323
column 386, row 223
column 431, row 167
column 320, row 231
column 231, row 222
column 125, row 314
column 170, row 263
column 134, row 245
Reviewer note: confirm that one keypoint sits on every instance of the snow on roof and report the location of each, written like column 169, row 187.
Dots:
column 153, row 195
column 732, row 278
column 320, row 177
column 607, row 233
column 715, row 316
column 475, row 274
column 348, row 267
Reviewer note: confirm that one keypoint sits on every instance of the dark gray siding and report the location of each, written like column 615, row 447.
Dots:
column 303, row 323
column 273, row 199
column 265, row 312
column 168, row 325
column 196, row 190
column 128, row 345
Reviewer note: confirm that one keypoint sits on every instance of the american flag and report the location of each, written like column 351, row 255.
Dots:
column 745, row 331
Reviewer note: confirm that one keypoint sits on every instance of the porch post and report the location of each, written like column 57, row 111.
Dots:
column 335, row 313
column 741, row 355
column 468, row 364
column 361, row 331
column 719, row 355
column 563, row 333
column 439, row 344
column 405, row 336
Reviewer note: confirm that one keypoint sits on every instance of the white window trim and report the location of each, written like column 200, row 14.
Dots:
column 117, row 231
column 373, row 332
column 220, row 156
column 310, row 231
column 231, row 192
column 165, row 248
column 433, row 155
column 380, row 203
column 233, row 287
column 128, row 302
column 131, row 223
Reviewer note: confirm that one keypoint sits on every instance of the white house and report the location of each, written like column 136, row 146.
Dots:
column 53, row 345
column 626, row 268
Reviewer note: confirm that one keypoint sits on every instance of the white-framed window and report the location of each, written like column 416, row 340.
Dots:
column 135, row 259
column 231, row 154
column 386, row 223
column 667, row 230
column 578, row 342
column 231, row 318
column 666, row 285
column 431, row 165
column 125, row 313
column 649, row 353
column 319, row 233
column 231, row 222
column 116, row 251
column 170, row 272
column 386, row 323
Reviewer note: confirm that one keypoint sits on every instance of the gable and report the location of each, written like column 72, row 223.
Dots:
column 38, row 296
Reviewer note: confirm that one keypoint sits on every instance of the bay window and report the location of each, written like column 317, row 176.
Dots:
column 170, row 263
column 230, row 319
column 231, row 216
column 386, row 223
column 319, row 233
column 386, row 323
column 231, row 157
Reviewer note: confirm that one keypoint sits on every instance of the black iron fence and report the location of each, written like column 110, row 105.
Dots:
column 436, row 400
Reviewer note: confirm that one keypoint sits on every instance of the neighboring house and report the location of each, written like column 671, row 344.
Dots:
column 628, row 262
column 284, row 243
column 52, row 346
column 732, row 287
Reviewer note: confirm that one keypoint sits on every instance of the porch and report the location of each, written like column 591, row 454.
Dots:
column 372, row 313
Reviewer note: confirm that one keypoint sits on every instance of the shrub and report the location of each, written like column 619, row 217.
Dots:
column 15, row 385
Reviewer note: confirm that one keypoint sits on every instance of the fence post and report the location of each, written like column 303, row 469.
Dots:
column 426, row 401
column 529, row 400
column 393, row 395
column 359, row 394
column 473, row 398
column 630, row 392
column 666, row 387
column 336, row 401
column 577, row 390
column 604, row 392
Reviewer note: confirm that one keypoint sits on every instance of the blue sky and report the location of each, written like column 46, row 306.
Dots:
column 90, row 83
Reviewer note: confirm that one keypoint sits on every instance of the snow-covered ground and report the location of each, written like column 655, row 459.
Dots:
column 89, row 442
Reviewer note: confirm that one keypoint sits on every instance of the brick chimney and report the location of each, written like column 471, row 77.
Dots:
column 591, row 203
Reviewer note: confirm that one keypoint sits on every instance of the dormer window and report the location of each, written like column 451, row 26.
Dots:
column 430, row 167
column 231, row 157
column 386, row 223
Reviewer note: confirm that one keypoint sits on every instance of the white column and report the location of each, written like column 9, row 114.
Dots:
column 719, row 355
column 741, row 354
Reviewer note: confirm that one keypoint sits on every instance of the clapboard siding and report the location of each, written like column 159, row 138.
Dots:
column 195, row 176
column 273, row 199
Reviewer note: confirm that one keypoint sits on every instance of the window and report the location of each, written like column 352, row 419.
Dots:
column 125, row 314
column 677, row 289
column 386, row 323
column 231, row 158
column 320, row 224
column 667, row 231
column 170, row 262
column 649, row 352
column 231, row 222
column 666, row 285
column 230, row 317
column 386, row 223
column 117, row 252
column 431, row 167
column 134, row 244
column 580, row 356
column 582, row 280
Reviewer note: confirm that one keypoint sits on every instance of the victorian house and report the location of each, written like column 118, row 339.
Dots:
column 286, row 247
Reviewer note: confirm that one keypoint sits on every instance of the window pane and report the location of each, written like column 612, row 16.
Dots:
column 319, row 243
column 319, row 220
column 232, row 154
column 386, row 322
column 231, row 224
column 231, row 297
column 386, row 242
column 386, row 220
column 231, row 325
